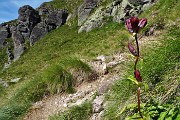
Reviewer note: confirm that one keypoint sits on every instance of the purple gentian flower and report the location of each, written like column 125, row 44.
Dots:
column 134, row 25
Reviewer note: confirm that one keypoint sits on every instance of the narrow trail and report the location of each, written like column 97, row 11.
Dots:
column 51, row 105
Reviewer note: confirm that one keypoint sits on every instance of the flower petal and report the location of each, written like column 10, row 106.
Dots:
column 134, row 23
column 128, row 25
column 142, row 22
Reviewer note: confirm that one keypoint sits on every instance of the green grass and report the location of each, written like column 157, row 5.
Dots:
column 160, row 70
column 3, row 58
column 55, row 79
column 82, row 112
column 164, row 59
column 162, row 13
column 70, row 5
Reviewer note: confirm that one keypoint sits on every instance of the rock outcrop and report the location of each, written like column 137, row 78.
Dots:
column 4, row 34
column 119, row 10
column 38, row 31
column 18, row 41
column 31, row 25
column 85, row 9
column 28, row 18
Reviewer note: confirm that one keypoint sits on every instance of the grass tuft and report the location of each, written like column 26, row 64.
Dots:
column 82, row 112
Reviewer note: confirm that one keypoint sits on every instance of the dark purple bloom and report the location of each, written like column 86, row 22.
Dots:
column 134, row 25
column 132, row 50
column 138, row 75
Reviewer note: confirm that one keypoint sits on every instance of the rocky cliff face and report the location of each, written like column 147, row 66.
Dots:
column 32, row 24
column 118, row 10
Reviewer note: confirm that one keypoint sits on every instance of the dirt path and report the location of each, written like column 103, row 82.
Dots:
column 49, row 106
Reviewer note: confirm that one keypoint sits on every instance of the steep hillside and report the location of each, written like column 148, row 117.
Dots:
column 69, row 60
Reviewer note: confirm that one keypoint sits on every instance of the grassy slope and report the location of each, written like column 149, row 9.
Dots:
column 44, row 60
column 160, row 69
column 81, row 112
column 65, row 43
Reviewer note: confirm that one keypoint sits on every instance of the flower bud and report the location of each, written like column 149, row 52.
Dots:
column 138, row 75
column 132, row 50
column 134, row 25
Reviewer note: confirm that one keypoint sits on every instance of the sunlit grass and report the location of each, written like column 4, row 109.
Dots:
column 82, row 112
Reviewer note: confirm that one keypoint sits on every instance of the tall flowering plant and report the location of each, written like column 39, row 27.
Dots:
column 134, row 25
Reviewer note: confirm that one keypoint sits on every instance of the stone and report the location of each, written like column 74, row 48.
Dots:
column 122, row 11
column 97, row 104
column 146, row 6
column 94, row 116
column 104, row 87
column 38, row 32
column 96, row 20
column 101, row 58
column 28, row 16
column 85, row 9
column 135, row 2
column 57, row 18
column 10, row 55
column 112, row 64
column 119, row 10
column 24, row 30
column 44, row 9
column 15, row 80
column 18, row 41
column 3, row 37
column 4, row 34
column 65, row 105
column 4, row 83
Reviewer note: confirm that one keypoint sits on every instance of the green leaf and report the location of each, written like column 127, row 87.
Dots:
column 178, row 117
column 128, row 107
column 162, row 115
column 146, row 87
column 152, row 108
column 169, row 118
column 161, row 107
column 171, row 111
column 132, row 79
column 136, row 116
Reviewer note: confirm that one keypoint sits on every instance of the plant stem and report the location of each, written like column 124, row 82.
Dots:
column 135, row 65
column 139, row 101
column 137, row 46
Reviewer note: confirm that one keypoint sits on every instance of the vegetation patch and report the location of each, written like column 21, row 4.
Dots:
column 56, row 79
column 160, row 70
column 82, row 112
